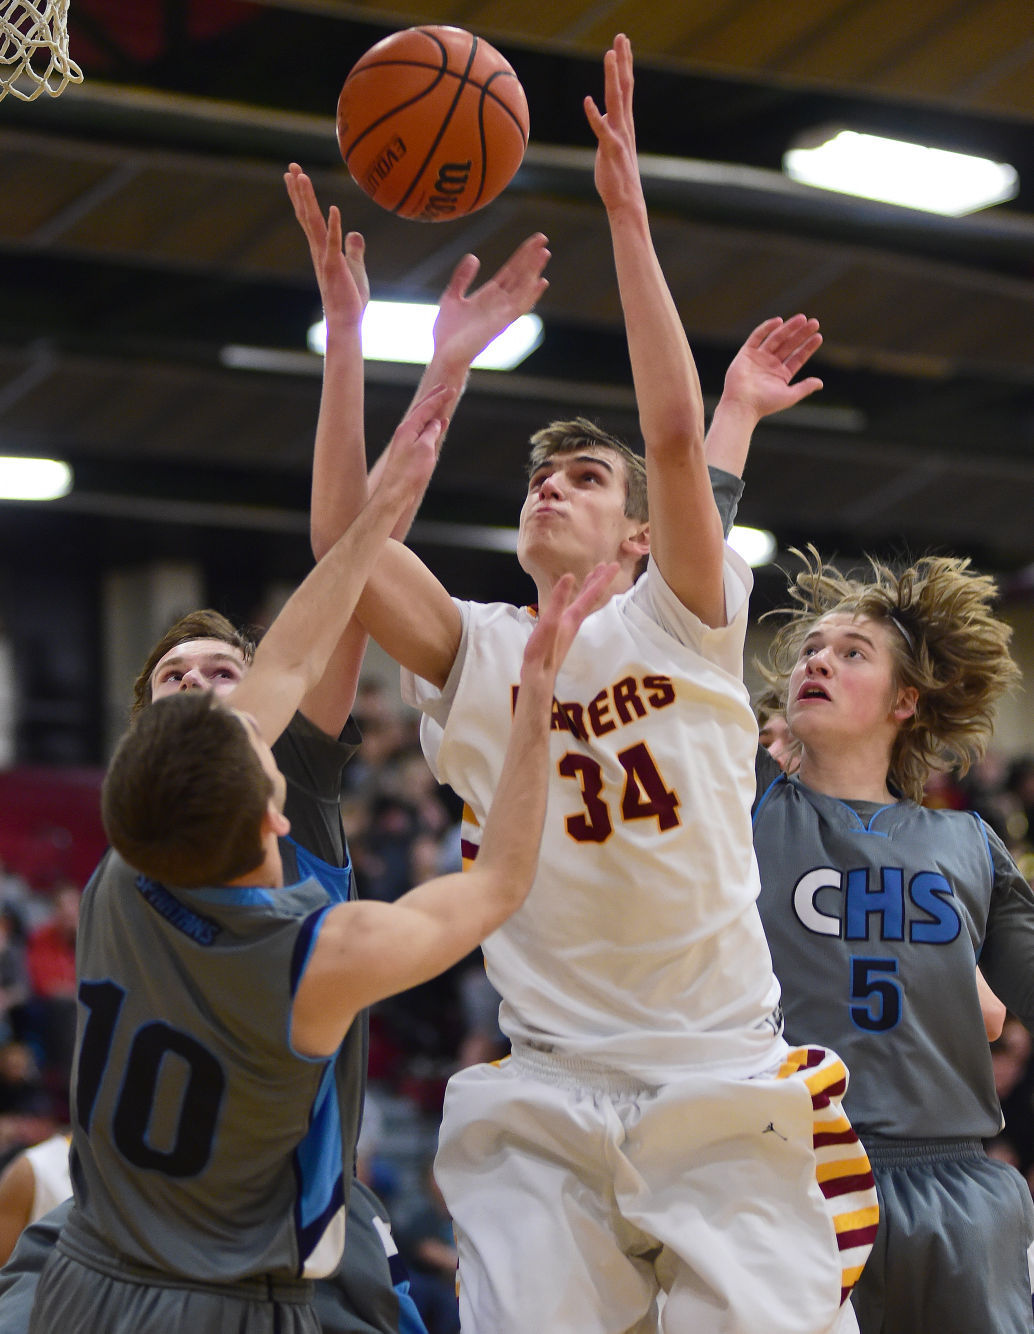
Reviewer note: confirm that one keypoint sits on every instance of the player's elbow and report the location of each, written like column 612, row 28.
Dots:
column 320, row 540
column 677, row 435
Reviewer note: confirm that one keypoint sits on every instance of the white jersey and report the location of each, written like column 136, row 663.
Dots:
column 640, row 947
column 49, row 1162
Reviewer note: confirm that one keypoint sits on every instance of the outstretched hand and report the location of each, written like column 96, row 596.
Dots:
column 561, row 618
column 468, row 321
column 340, row 266
column 617, row 162
column 761, row 375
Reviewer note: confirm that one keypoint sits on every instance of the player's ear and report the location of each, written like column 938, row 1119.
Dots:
column 905, row 705
column 274, row 822
column 637, row 543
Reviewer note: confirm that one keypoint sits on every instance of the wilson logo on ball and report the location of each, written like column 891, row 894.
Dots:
column 432, row 123
column 450, row 184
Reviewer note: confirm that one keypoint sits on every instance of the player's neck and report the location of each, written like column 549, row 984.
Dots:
column 846, row 775
column 269, row 874
column 546, row 582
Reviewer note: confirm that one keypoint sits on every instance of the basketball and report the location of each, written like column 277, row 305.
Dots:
column 432, row 123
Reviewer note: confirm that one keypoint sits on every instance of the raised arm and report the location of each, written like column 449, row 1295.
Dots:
column 294, row 653
column 368, row 950
column 760, row 382
column 409, row 611
column 339, row 457
column 404, row 607
column 685, row 530
column 339, row 486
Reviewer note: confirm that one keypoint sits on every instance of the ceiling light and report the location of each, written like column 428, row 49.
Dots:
column 897, row 172
column 403, row 331
column 757, row 546
column 34, row 479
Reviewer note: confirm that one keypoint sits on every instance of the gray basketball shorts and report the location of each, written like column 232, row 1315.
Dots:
column 951, row 1250
column 76, row 1298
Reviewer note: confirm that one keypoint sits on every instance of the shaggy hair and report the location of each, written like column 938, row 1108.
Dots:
column 204, row 624
column 571, row 437
column 185, row 793
column 945, row 641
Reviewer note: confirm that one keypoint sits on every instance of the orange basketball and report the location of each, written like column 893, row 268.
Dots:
column 432, row 123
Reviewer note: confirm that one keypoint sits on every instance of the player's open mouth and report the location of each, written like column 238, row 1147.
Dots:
column 812, row 692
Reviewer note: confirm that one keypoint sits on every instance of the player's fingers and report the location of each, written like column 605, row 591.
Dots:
column 803, row 389
column 594, row 116
column 613, row 91
column 332, row 240
column 462, row 276
column 527, row 261
column 763, row 330
column 626, row 78
column 431, row 404
column 802, row 353
column 790, row 332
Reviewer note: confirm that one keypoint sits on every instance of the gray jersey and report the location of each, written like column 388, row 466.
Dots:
column 360, row 1298
column 203, row 1146
column 876, row 917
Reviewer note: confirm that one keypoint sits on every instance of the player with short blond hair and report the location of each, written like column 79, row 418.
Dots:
column 637, row 986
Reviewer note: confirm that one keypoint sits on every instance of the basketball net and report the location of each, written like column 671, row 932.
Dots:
column 35, row 33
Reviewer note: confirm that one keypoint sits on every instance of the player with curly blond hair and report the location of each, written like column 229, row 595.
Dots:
column 878, row 910
column 949, row 648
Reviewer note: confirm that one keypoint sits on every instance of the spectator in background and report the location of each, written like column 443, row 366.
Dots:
column 27, row 1107
column 1020, row 785
column 384, row 731
column 429, row 1250
column 775, row 735
column 14, row 981
column 50, row 1012
column 50, row 949
column 15, row 895
column 1014, row 1084
column 984, row 790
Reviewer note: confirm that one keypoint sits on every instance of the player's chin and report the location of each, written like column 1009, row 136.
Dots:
column 535, row 550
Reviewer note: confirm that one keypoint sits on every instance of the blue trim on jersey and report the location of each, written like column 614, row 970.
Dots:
column 245, row 895
column 410, row 1319
column 202, row 930
column 319, row 1170
column 305, row 943
column 864, row 828
column 336, row 880
column 987, row 842
column 861, row 825
column 764, row 797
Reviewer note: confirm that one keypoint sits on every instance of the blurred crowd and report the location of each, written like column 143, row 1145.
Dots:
column 403, row 828
column 37, row 1007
